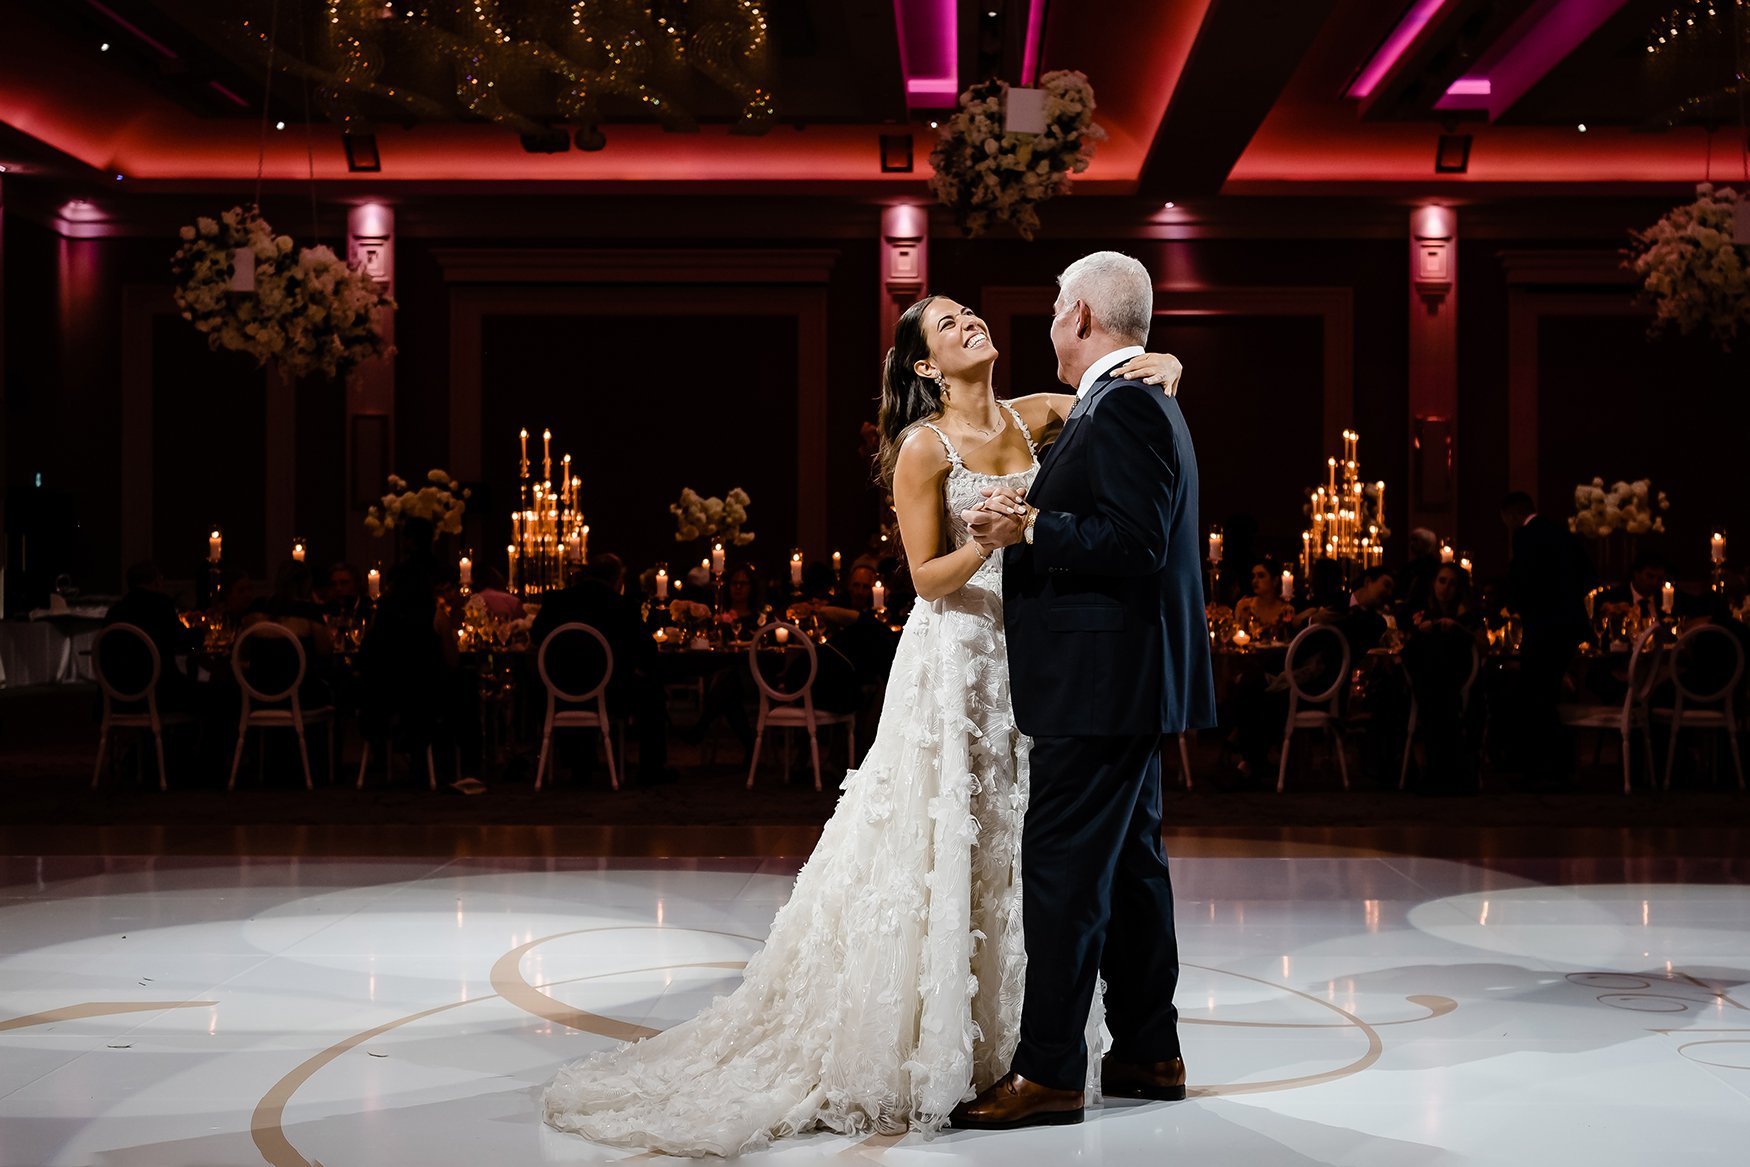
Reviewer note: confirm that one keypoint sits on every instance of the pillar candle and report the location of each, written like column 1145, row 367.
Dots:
column 1667, row 599
column 1215, row 547
column 781, row 635
column 1445, row 553
column 836, row 560
column 465, row 568
column 583, row 542
column 1464, row 562
column 510, row 575
column 717, row 559
column 879, row 599
column 796, row 569
column 662, row 583
column 547, row 455
column 215, row 547
column 374, row 582
column 1379, row 504
column 298, row 550
column 525, row 441
column 1718, row 548
column 1287, row 585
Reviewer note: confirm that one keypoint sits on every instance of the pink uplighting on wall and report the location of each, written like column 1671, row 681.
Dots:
column 1035, row 40
column 929, row 51
column 1401, row 38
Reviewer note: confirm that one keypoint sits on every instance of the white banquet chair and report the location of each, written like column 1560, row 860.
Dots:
column 275, row 702
column 1628, row 716
column 792, row 709
column 1712, row 708
column 1314, row 709
column 575, row 638
column 122, row 654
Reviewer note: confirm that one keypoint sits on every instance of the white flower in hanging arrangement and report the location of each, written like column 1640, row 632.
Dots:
column 992, row 164
column 252, row 291
column 1690, row 270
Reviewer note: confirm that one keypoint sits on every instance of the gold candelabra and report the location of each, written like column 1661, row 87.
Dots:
column 548, row 536
column 1348, row 517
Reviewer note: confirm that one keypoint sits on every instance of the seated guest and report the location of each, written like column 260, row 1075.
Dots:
column 597, row 597
column 1417, row 577
column 1642, row 594
column 1264, row 606
column 1325, row 590
column 1368, row 617
column 741, row 606
column 239, row 597
column 1447, row 599
column 293, row 605
column 341, row 594
column 147, row 607
column 490, row 591
column 866, row 640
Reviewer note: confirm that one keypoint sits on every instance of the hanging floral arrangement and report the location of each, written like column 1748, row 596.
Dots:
column 984, row 172
column 1689, row 269
column 440, row 500
column 304, row 309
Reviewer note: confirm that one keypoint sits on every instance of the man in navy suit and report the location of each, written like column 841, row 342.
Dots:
column 1108, row 651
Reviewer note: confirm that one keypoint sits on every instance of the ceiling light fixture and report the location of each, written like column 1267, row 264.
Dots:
column 1452, row 155
column 104, row 47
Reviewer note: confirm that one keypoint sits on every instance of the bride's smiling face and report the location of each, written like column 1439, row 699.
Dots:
column 959, row 342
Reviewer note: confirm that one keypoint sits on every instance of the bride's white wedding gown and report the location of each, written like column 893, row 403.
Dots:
column 889, row 989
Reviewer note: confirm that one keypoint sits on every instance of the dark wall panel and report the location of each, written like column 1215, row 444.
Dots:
column 645, row 406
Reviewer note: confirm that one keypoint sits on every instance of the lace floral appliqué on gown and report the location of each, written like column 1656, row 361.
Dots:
column 889, row 989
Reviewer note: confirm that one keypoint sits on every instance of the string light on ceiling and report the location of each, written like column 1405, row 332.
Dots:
column 529, row 66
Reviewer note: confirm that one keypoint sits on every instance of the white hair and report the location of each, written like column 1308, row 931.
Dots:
column 1117, row 290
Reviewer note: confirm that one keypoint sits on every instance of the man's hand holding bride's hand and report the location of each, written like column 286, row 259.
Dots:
column 999, row 520
column 1154, row 369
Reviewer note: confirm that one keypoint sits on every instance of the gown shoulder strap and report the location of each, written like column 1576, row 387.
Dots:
column 1022, row 426
column 953, row 454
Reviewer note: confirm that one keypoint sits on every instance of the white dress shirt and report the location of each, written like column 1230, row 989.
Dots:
column 1105, row 363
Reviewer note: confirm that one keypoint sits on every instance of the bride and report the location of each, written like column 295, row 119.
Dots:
column 889, row 989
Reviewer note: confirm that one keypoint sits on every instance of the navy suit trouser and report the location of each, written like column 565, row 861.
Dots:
column 1096, row 900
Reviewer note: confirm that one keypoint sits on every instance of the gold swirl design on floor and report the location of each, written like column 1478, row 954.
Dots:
column 267, row 1124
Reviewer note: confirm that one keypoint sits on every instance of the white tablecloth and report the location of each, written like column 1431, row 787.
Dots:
column 56, row 651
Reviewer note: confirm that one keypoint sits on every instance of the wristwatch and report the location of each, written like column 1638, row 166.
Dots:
column 1027, row 529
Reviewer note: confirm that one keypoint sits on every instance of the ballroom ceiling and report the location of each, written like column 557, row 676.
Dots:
column 794, row 96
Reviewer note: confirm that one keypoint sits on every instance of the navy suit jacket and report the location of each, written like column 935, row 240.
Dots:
column 1104, row 611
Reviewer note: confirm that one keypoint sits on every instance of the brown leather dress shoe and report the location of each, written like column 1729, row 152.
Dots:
column 1015, row 1102
column 1160, row 1081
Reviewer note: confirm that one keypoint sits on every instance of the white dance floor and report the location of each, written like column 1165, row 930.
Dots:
column 1373, row 1010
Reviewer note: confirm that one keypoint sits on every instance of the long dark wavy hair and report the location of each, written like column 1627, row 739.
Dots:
column 906, row 398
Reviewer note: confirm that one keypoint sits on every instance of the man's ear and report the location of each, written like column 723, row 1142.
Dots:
column 1084, row 322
